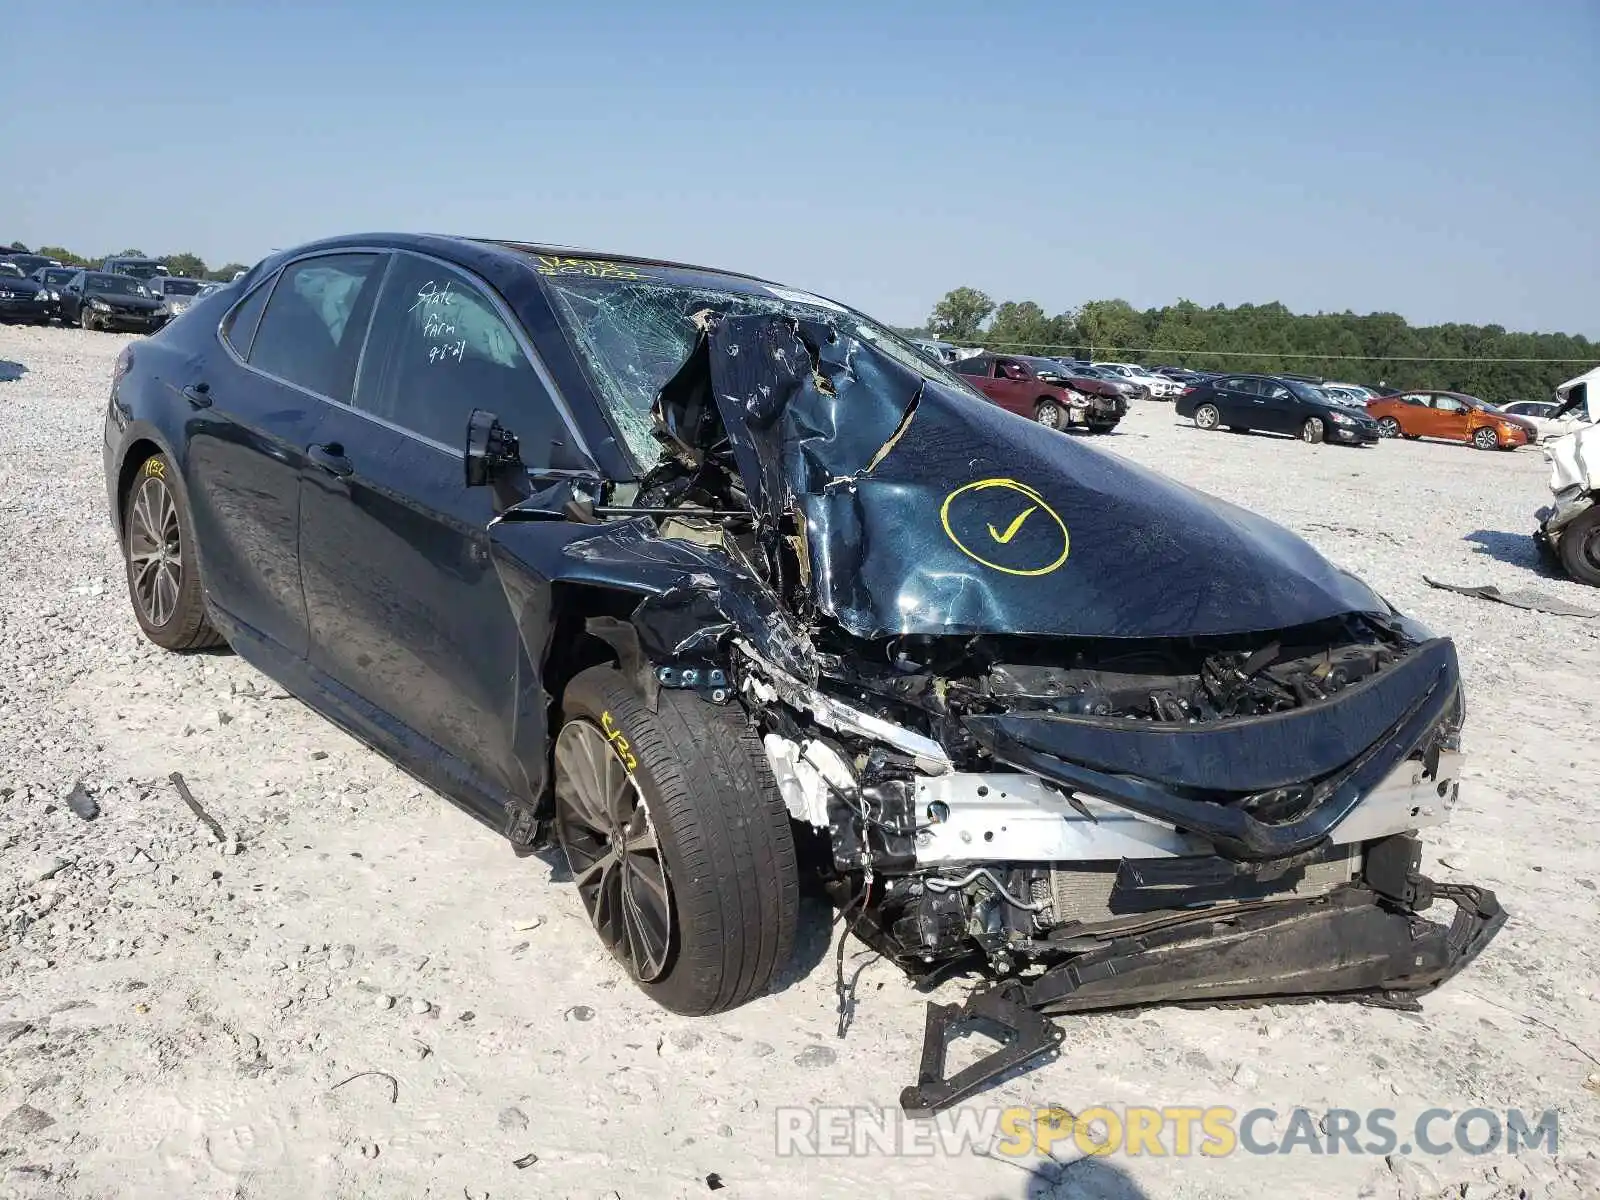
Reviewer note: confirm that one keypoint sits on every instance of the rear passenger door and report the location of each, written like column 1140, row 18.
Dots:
column 407, row 616
column 289, row 347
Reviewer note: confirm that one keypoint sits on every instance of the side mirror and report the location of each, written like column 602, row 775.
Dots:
column 493, row 459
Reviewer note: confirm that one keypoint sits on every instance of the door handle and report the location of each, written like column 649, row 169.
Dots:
column 331, row 458
column 198, row 395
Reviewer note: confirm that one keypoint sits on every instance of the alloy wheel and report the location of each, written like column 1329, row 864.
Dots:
column 1485, row 439
column 1312, row 431
column 155, row 550
column 1049, row 415
column 611, row 846
column 1388, row 427
column 1207, row 416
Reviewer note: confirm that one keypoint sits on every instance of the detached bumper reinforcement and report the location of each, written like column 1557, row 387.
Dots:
column 1347, row 945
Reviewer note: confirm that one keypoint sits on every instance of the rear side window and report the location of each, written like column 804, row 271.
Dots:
column 971, row 366
column 439, row 349
column 310, row 333
column 240, row 326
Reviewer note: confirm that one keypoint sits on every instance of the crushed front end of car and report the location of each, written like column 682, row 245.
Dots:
column 1044, row 712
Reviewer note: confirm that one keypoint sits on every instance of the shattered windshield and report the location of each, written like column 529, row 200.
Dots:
column 632, row 335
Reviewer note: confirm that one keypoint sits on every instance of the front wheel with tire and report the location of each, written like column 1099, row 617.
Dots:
column 1579, row 547
column 1313, row 431
column 163, row 572
column 1049, row 414
column 1102, row 426
column 86, row 318
column 678, row 841
column 1388, row 427
column 1207, row 416
column 1486, row 439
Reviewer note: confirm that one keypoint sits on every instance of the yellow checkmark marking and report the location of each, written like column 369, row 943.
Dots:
column 1011, row 529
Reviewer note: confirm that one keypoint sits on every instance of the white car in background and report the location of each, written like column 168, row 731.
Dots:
column 1346, row 394
column 1359, row 390
column 1541, row 414
column 1159, row 386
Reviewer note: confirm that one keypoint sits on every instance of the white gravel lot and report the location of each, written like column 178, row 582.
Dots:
column 177, row 1020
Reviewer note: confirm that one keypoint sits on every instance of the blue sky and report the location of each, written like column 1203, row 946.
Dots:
column 1441, row 160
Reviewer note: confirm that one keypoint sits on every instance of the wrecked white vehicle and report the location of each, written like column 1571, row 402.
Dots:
column 1569, row 528
column 738, row 592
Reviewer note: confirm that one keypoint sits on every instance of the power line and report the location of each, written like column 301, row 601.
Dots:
column 1173, row 353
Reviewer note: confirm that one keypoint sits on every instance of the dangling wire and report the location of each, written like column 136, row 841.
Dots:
column 846, row 992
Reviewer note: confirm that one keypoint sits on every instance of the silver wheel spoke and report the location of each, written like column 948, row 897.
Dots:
column 612, row 849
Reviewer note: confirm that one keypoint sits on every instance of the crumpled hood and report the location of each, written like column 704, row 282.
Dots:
column 922, row 509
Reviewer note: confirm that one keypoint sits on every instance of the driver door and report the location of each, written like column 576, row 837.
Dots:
column 1451, row 418
column 406, row 613
column 1015, row 389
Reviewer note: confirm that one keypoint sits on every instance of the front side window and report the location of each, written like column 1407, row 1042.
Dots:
column 310, row 333
column 439, row 348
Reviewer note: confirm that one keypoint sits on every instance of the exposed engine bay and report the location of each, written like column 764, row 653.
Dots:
column 1039, row 711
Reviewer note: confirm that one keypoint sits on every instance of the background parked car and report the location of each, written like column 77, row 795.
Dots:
column 21, row 299
column 176, row 291
column 1041, row 390
column 28, row 263
column 1126, row 388
column 1455, row 416
column 1541, row 414
column 1348, row 396
column 1159, row 386
column 137, row 268
column 53, row 279
column 1275, row 405
column 100, row 300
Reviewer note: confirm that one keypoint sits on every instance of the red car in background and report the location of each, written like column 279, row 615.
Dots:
column 1453, row 415
column 1044, row 390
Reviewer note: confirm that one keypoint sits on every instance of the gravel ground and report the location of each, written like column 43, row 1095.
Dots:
column 362, row 992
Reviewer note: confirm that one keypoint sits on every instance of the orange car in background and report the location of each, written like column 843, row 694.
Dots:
column 1452, row 415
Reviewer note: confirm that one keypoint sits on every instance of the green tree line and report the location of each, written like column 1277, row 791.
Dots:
column 1376, row 348
column 191, row 266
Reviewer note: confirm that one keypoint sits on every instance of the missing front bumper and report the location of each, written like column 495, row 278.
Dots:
column 1353, row 944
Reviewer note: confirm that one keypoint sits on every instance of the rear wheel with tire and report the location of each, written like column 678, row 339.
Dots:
column 1388, row 427
column 1049, row 414
column 1580, row 548
column 1486, row 439
column 158, row 549
column 1313, row 431
column 678, row 841
column 1207, row 416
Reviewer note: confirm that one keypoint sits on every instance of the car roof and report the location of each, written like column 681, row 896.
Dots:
column 513, row 251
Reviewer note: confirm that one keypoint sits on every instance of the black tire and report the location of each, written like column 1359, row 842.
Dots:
column 1048, row 413
column 1389, row 427
column 1486, row 439
column 722, row 831
column 1207, row 417
column 1102, row 426
column 166, row 592
column 1313, row 431
column 1580, row 548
